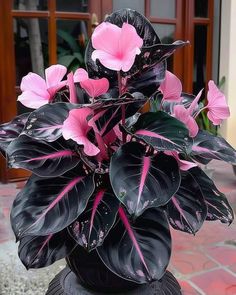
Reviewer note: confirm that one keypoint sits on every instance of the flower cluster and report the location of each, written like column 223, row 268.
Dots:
column 105, row 175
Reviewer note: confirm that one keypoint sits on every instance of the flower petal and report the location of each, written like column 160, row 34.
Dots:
column 213, row 118
column 129, row 39
column 129, row 46
column 80, row 75
column 75, row 127
column 94, row 87
column 52, row 90
column 54, row 74
column 194, row 103
column 192, row 126
column 116, row 48
column 32, row 100
column 106, row 37
column 171, row 88
column 182, row 114
column 218, row 109
column 35, row 83
column 107, row 60
column 128, row 60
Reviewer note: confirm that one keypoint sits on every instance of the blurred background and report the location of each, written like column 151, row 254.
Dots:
column 35, row 34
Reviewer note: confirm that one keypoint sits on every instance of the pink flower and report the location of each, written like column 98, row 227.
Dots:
column 183, row 164
column 76, row 127
column 115, row 47
column 182, row 114
column 218, row 109
column 80, row 75
column 171, row 88
column 185, row 115
column 36, row 91
column 72, row 90
column 94, row 87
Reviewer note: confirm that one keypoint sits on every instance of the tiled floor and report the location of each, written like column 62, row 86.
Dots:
column 203, row 264
column 206, row 263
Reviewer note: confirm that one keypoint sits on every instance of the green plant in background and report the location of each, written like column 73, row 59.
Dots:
column 70, row 53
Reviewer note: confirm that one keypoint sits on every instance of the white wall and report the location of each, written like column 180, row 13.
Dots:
column 228, row 66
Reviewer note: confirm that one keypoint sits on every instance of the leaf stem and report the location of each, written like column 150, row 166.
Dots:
column 195, row 116
column 122, row 107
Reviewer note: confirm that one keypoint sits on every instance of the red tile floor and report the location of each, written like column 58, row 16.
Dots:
column 203, row 264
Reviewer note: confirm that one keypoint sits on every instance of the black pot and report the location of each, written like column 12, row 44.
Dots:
column 87, row 275
column 94, row 275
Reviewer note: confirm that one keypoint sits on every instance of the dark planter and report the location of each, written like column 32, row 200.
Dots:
column 87, row 275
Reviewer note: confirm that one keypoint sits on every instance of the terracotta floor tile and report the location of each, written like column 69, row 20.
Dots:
column 217, row 282
column 210, row 234
column 191, row 262
column 187, row 289
column 225, row 255
column 233, row 268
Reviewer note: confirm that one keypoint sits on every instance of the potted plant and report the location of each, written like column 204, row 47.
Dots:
column 107, row 180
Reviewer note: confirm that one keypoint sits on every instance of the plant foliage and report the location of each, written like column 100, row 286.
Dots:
column 108, row 177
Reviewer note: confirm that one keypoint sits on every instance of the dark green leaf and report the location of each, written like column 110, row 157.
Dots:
column 11, row 130
column 187, row 210
column 41, row 251
column 93, row 225
column 48, row 205
column 45, row 123
column 162, row 131
column 140, row 181
column 138, row 251
column 207, row 147
column 218, row 208
column 48, row 159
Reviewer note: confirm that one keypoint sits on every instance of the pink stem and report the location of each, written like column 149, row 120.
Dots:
column 122, row 107
column 195, row 116
column 72, row 90
column 130, row 232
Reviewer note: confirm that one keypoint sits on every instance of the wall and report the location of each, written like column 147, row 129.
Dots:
column 228, row 66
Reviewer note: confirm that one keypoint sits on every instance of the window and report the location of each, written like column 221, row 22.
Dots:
column 34, row 35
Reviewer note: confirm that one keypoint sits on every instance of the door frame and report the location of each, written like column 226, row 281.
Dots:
column 8, row 89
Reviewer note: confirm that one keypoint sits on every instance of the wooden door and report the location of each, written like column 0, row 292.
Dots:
column 35, row 34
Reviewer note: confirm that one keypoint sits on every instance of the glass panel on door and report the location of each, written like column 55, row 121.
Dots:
column 31, row 49
column 72, row 37
column 31, row 46
column 163, row 9
column 138, row 5
column 166, row 33
column 72, row 5
column 201, row 8
column 200, row 49
column 30, row 4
